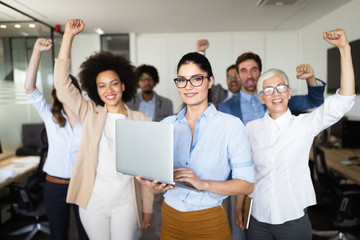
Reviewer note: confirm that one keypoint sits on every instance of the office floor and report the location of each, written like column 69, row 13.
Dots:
column 19, row 222
column 320, row 218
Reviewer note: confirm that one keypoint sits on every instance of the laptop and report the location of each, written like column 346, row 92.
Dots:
column 146, row 149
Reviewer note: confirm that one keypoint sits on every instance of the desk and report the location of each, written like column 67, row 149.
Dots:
column 335, row 156
column 22, row 165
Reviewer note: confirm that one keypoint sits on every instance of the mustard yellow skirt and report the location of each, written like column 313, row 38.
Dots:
column 207, row 224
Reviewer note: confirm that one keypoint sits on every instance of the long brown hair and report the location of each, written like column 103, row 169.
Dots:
column 57, row 106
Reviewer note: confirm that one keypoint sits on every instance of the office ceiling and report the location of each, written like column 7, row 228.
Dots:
column 165, row 16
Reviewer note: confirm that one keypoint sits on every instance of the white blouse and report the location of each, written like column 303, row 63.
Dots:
column 110, row 184
column 280, row 151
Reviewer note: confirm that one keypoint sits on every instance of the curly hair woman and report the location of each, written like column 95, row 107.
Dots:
column 112, row 205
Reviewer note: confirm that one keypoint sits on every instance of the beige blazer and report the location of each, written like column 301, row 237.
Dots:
column 93, row 118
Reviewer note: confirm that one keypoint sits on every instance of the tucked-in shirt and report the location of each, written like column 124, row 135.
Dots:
column 280, row 151
column 147, row 108
column 63, row 142
column 219, row 145
column 110, row 184
column 251, row 107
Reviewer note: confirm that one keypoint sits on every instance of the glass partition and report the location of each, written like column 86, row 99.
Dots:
column 18, row 33
column 117, row 44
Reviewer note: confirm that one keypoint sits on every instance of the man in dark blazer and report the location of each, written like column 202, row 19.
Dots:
column 147, row 101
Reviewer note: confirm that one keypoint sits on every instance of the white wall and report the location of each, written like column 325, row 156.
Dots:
column 277, row 49
column 84, row 45
column 314, row 48
column 281, row 49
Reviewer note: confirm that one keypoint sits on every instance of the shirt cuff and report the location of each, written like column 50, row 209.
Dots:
column 320, row 83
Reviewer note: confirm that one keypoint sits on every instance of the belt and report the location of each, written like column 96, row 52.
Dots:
column 57, row 180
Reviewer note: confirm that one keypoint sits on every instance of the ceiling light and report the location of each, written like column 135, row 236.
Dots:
column 31, row 25
column 99, row 31
column 17, row 26
column 24, row 34
column 3, row 26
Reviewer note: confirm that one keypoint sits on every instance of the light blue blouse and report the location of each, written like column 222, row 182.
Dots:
column 63, row 142
column 220, row 147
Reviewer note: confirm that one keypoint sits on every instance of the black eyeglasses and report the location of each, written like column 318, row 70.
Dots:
column 268, row 91
column 195, row 81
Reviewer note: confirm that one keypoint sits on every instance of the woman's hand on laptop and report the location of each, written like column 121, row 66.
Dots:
column 155, row 186
column 187, row 176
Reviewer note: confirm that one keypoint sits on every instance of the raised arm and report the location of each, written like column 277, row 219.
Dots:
column 72, row 28
column 67, row 93
column 315, row 96
column 202, row 45
column 40, row 46
column 338, row 38
column 305, row 71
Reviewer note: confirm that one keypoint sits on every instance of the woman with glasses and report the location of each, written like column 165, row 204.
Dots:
column 280, row 145
column 208, row 147
column 112, row 205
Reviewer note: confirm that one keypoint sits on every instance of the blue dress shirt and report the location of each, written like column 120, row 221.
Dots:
column 251, row 107
column 147, row 108
column 220, row 146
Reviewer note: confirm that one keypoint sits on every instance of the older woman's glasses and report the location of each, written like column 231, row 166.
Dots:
column 195, row 81
column 268, row 91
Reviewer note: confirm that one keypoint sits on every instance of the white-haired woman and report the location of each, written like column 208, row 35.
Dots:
column 280, row 145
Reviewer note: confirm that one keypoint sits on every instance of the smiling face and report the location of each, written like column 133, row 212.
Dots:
column 249, row 74
column 190, row 95
column 233, row 80
column 277, row 103
column 110, row 88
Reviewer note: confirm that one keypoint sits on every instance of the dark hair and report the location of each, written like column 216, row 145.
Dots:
column 57, row 106
column 231, row 67
column 104, row 61
column 202, row 62
column 149, row 70
column 246, row 56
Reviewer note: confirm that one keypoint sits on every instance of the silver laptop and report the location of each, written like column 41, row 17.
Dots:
column 145, row 149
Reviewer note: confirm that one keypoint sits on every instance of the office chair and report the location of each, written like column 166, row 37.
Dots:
column 347, row 199
column 28, row 200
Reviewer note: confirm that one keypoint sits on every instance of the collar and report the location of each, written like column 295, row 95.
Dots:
column 281, row 122
column 246, row 96
column 209, row 113
column 151, row 101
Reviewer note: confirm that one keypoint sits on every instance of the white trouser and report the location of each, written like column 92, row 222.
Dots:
column 105, row 219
